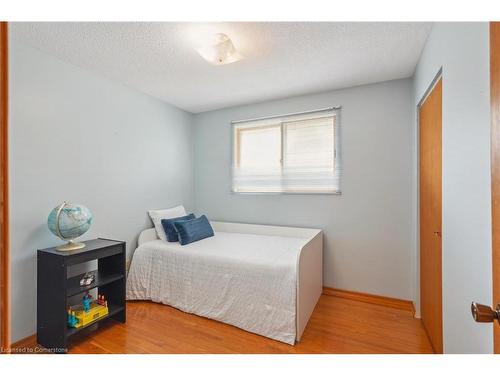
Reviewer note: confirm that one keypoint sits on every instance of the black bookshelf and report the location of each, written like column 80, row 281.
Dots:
column 54, row 288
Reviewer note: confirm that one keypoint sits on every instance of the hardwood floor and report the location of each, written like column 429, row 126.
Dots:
column 338, row 325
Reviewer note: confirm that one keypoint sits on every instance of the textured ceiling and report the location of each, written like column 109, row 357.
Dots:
column 281, row 59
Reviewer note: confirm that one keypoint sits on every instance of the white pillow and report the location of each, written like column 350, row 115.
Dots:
column 169, row 213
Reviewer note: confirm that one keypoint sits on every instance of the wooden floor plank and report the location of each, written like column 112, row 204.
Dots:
column 338, row 325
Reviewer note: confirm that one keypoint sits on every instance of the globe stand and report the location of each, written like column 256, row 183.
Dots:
column 70, row 246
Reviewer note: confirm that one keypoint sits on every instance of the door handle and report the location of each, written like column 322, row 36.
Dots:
column 437, row 233
column 483, row 313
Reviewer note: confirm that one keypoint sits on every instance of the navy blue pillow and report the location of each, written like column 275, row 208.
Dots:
column 168, row 226
column 193, row 230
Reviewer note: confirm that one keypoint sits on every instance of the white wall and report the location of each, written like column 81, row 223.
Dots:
column 76, row 136
column 367, row 228
column 462, row 50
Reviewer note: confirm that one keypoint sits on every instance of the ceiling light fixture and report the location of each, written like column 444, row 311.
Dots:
column 220, row 51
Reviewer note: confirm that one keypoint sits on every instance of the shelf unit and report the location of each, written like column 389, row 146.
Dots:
column 73, row 284
column 113, row 310
column 54, row 288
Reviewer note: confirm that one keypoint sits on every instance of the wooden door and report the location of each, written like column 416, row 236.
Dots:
column 430, row 124
column 495, row 166
column 4, row 199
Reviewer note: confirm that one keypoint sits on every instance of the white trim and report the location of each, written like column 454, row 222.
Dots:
column 435, row 80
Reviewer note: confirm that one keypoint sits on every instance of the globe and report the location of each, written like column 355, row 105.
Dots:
column 69, row 221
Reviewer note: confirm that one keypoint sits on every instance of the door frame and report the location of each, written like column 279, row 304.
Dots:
column 437, row 77
column 495, row 170
column 4, row 193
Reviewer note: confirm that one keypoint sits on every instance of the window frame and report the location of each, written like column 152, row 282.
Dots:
column 280, row 120
column 237, row 140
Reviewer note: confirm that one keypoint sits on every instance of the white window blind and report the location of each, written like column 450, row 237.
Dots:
column 289, row 154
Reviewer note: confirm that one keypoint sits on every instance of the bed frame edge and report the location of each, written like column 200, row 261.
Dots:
column 309, row 281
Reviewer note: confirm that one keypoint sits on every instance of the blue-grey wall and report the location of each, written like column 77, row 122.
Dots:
column 76, row 136
column 367, row 228
column 79, row 137
column 462, row 51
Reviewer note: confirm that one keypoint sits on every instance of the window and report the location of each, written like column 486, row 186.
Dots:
column 287, row 154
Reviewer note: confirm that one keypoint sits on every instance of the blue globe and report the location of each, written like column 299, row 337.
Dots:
column 73, row 219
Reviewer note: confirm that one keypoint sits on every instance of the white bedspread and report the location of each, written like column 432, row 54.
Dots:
column 245, row 280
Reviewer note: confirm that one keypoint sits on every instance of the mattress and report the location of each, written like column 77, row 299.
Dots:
column 246, row 280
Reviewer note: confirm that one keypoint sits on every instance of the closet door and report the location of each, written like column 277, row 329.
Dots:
column 430, row 125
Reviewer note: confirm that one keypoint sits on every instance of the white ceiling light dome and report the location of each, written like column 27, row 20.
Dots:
column 220, row 50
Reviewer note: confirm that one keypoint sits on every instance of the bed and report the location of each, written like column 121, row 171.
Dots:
column 263, row 279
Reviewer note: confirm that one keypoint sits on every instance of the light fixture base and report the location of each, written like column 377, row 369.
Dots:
column 220, row 51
